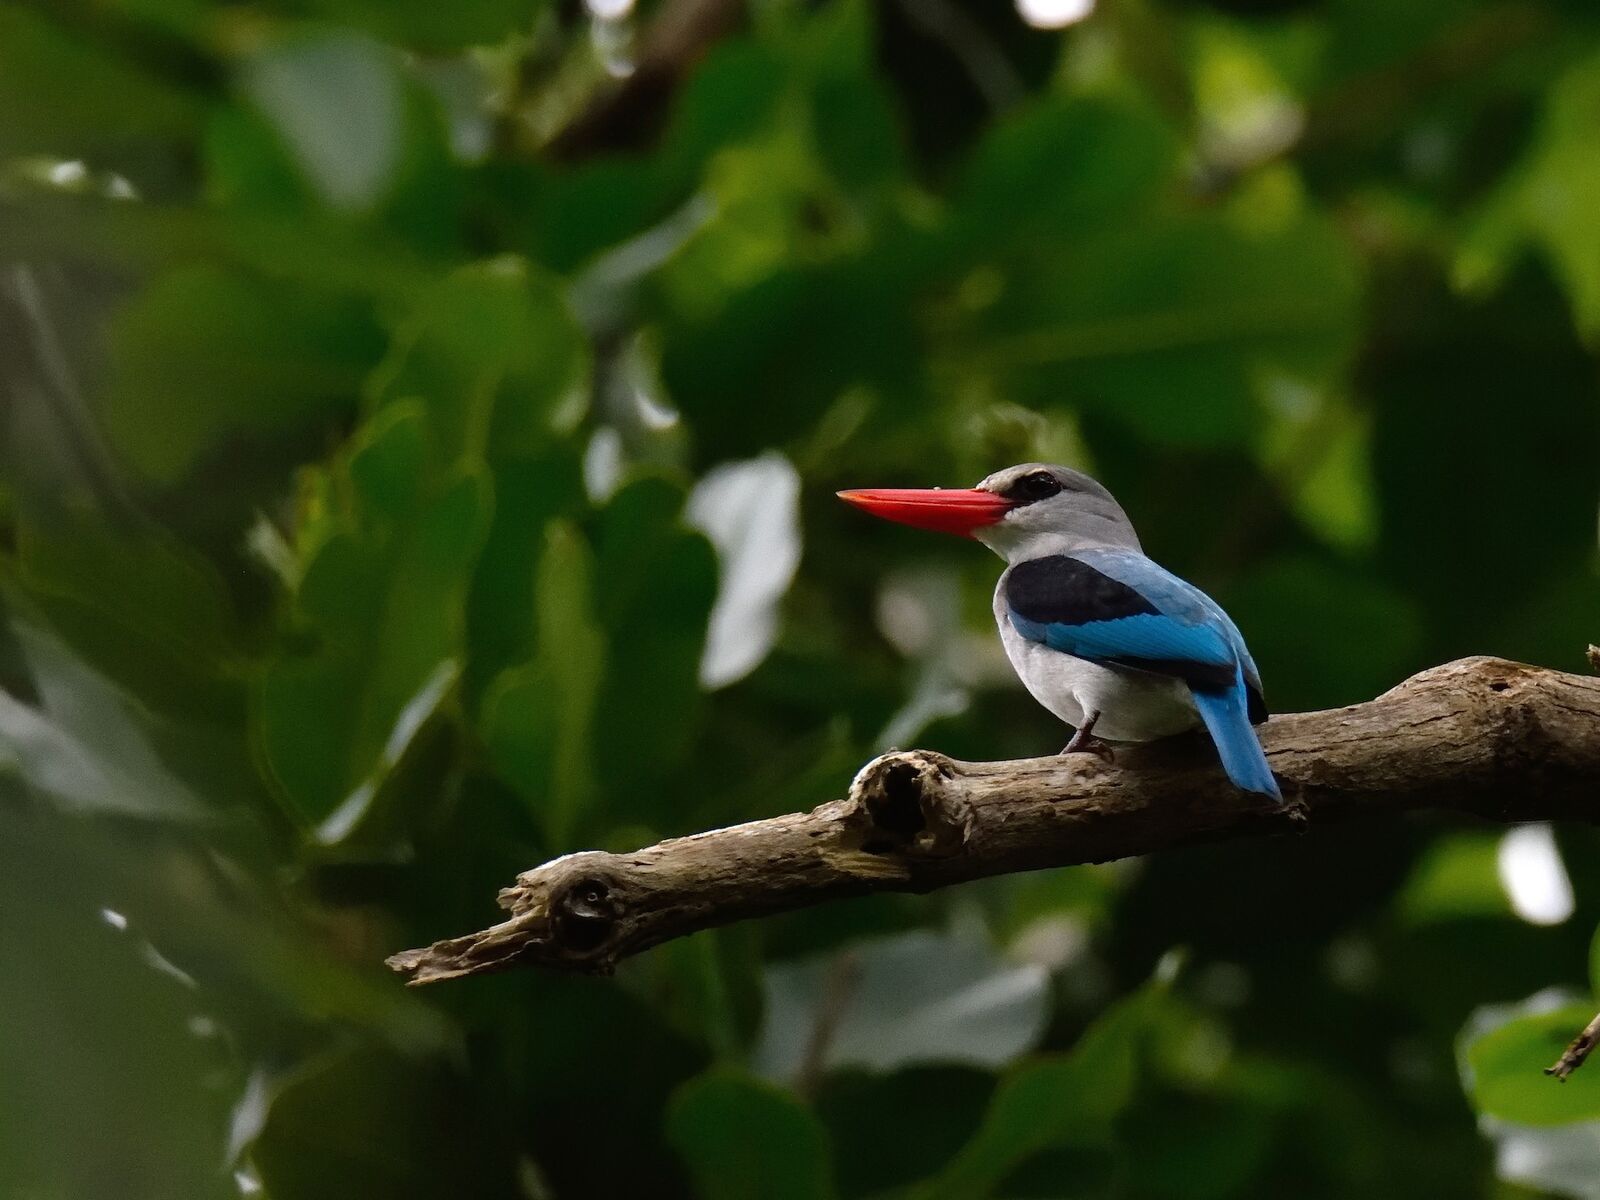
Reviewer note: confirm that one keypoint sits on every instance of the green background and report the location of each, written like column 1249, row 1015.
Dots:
column 418, row 430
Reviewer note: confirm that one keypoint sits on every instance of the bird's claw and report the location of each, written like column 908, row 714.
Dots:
column 1090, row 745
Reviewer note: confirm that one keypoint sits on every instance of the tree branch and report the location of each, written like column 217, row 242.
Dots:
column 1480, row 736
column 1577, row 1052
column 627, row 115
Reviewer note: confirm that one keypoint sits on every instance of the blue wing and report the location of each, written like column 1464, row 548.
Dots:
column 1117, row 608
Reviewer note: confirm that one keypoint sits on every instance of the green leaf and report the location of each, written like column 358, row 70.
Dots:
column 1550, row 201
column 430, row 26
column 139, row 605
column 104, row 1076
column 1076, row 162
column 852, row 122
column 1457, row 877
column 1197, row 1147
column 367, row 1124
column 87, row 747
column 658, row 579
column 529, row 492
column 538, row 719
column 63, row 95
column 336, row 100
column 499, row 357
column 745, row 1140
column 1057, row 1100
column 1171, row 326
column 808, row 335
column 1506, row 1065
column 938, row 1108
column 707, row 986
column 380, row 612
column 206, row 353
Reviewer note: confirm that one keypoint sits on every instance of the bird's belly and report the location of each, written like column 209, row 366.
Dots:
column 1133, row 706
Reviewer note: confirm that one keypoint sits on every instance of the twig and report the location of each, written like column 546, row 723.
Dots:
column 1359, row 107
column 1480, row 736
column 1577, row 1053
column 628, row 115
column 838, row 989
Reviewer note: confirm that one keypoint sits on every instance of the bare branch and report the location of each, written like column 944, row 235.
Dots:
column 628, row 115
column 1480, row 736
column 1577, row 1053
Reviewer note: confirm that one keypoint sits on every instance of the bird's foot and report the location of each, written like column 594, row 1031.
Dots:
column 1090, row 745
column 1084, row 742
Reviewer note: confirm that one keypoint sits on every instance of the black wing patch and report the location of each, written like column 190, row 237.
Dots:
column 1062, row 590
column 1050, row 598
column 1256, row 702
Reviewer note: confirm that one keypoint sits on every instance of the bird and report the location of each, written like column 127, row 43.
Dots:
column 1106, row 639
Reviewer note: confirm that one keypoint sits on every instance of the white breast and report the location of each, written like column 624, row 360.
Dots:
column 1133, row 706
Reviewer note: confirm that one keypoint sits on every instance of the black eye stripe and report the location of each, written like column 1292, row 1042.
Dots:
column 1035, row 485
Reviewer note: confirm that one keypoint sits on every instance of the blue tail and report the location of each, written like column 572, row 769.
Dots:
column 1226, row 715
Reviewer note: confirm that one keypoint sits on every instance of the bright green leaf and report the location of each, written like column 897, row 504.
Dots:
column 1550, row 200
column 1456, row 878
column 1506, row 1066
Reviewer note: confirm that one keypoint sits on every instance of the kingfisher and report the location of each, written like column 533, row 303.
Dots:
column 1109, row 641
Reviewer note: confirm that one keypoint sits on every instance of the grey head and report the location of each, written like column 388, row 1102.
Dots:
column 1058, row 510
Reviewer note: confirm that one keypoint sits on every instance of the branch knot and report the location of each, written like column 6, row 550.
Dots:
column 903, row 805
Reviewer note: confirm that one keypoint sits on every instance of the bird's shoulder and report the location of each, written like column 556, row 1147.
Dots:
column 1103, row 585
column 1118, row 607
column 1068, row 589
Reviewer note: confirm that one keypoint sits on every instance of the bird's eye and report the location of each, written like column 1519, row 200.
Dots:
column 1036, row 485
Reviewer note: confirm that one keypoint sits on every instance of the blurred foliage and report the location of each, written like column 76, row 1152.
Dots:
column 418, row 425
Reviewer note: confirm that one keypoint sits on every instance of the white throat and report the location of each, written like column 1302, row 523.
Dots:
column 1017, row 542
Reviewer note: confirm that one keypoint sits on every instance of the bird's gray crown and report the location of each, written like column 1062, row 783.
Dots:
column 1058, row 510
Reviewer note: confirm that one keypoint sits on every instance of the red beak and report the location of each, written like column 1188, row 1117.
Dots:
column 947, row 510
